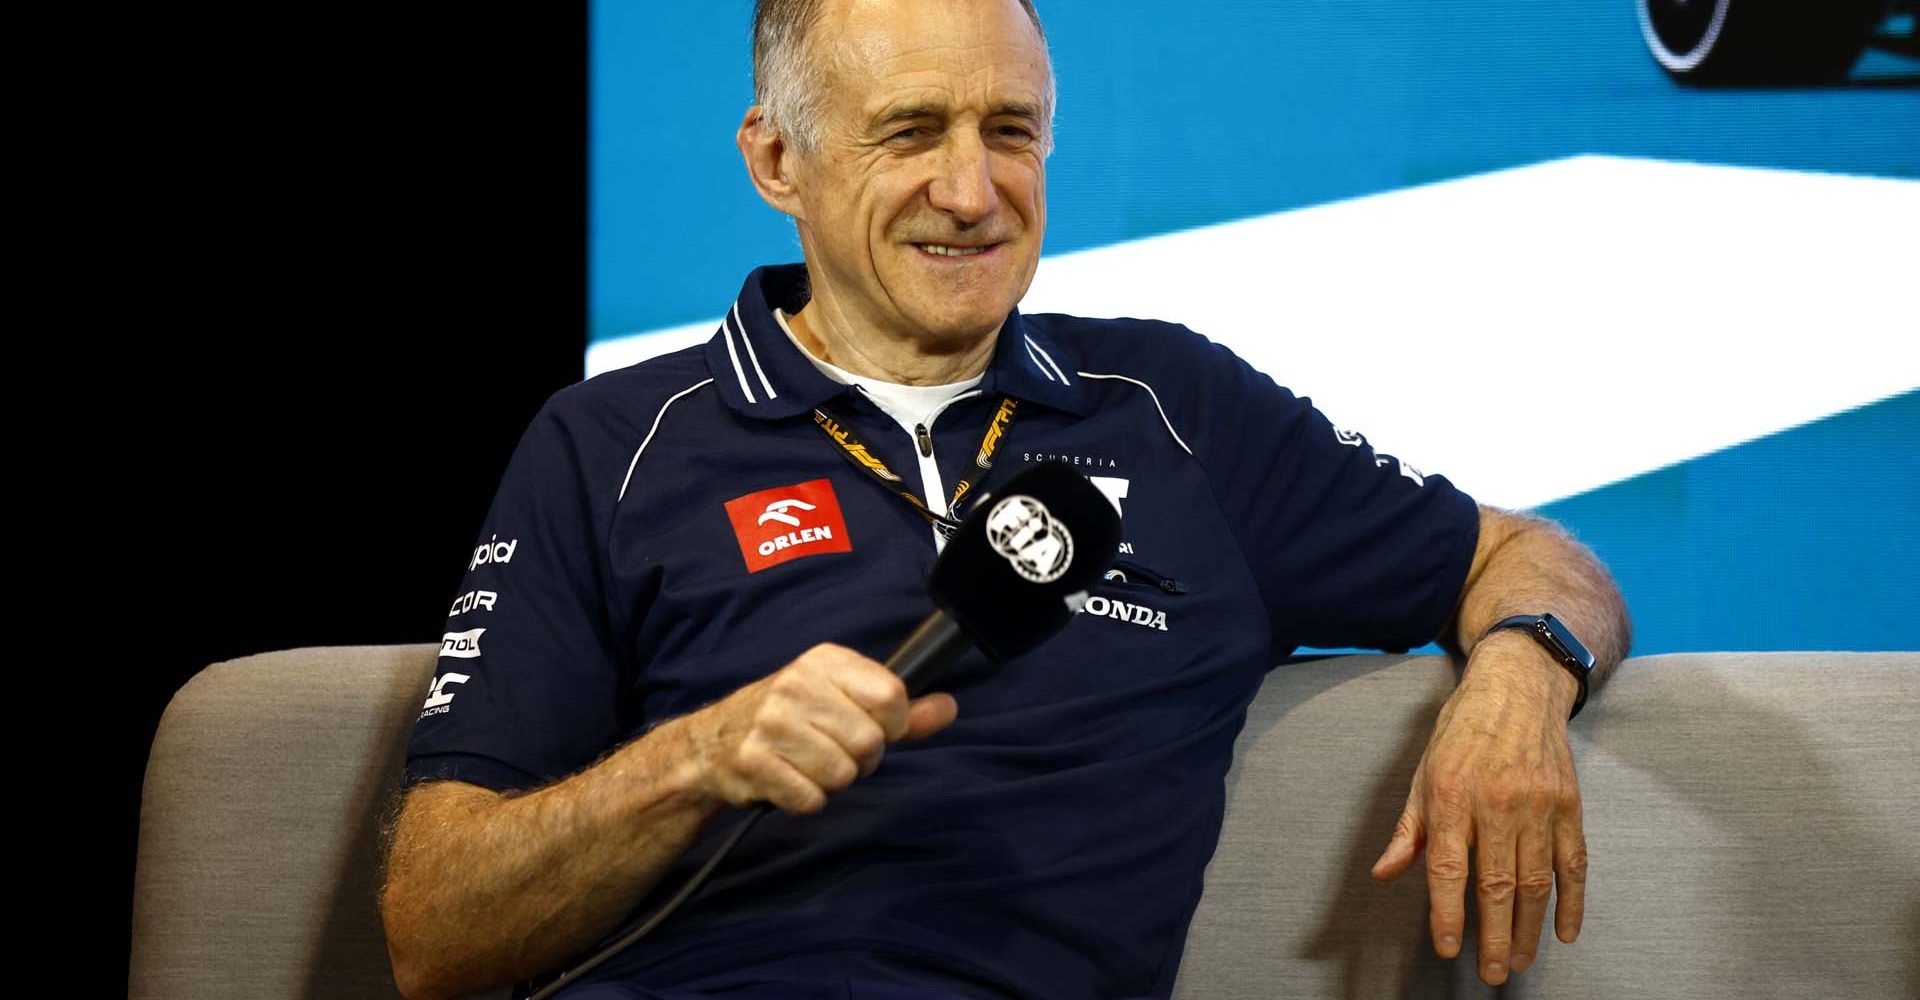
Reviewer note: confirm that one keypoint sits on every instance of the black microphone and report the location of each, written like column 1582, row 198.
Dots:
column 1014, row 572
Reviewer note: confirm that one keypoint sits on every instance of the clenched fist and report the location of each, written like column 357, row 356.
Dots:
column 809, row 730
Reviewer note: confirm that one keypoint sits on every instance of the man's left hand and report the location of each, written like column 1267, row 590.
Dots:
column 1497, row 778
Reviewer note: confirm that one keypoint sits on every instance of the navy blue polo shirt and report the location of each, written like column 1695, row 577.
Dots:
column 672, row 531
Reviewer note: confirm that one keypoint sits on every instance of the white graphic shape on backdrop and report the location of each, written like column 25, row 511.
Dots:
column 1538, row 332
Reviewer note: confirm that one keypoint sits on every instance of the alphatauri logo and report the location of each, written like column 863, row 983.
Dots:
column 438, row 697
column 1113, row 488
column 788, row 522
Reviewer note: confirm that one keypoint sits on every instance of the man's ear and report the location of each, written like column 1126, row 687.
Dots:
column 770, row 162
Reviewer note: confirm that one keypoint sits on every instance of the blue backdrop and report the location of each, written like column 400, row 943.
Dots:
column 1177, row 116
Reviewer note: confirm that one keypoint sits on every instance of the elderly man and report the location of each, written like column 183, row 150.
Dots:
column 692, row 565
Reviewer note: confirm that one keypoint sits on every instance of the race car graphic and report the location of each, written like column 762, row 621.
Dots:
column 1772, row 42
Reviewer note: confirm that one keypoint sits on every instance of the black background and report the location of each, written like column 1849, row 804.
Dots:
column 331, row 261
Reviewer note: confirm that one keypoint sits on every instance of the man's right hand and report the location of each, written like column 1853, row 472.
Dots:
column 809, row 729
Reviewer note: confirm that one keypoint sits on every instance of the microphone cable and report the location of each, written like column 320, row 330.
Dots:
column 665, row 909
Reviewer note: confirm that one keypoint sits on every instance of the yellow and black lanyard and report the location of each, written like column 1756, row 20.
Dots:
column 840, row 432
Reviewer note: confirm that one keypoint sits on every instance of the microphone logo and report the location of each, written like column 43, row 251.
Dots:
column 1023, row 531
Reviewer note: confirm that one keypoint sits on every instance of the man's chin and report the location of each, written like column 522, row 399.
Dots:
column 961, row 313
column 961, row 327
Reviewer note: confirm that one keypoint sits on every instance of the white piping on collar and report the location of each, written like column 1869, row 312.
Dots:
column 1037, row 363
column 726, row 331
column 752, row 355
column 1043, row 353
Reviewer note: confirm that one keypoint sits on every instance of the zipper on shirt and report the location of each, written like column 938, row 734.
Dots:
column 932, row 488
column 930, row 481
column 1130, row 572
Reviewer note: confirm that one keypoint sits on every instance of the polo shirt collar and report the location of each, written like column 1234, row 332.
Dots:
column 761, row 373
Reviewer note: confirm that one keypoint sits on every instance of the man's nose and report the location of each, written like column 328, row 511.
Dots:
column 963, row 185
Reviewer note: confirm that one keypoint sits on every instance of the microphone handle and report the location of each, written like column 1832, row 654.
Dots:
column 936, row 644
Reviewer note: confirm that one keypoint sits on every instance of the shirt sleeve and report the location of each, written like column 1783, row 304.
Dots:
column 528, row 685
column 1350, row 547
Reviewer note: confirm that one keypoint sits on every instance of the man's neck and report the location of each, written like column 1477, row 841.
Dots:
column 904, row 360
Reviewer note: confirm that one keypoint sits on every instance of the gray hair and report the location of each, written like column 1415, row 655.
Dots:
column 787, row 84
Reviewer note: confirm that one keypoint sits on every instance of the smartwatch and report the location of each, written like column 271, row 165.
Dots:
column 1553, row 633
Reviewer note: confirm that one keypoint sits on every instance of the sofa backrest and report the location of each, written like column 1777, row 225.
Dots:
column 1753, row 820
column 1752, row 823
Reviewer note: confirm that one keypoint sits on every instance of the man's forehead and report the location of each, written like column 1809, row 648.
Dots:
column 935, row 45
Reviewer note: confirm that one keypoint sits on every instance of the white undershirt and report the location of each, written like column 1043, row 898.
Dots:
column 911, row 406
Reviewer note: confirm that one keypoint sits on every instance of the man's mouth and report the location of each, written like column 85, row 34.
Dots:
column 953, row 250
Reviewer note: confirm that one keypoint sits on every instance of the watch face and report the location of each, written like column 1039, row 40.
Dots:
column 1563, row 637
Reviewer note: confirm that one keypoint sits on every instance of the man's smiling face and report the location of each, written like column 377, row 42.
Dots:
column 923, row 207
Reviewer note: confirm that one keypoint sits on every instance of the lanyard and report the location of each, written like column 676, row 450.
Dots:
column 855, row 452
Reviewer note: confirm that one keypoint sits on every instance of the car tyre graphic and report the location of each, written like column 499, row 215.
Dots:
column 1758, row 42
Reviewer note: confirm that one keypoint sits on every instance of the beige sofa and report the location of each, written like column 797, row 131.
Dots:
column 1753, row 820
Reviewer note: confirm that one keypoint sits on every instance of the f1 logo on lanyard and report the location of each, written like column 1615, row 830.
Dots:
column 856, row 453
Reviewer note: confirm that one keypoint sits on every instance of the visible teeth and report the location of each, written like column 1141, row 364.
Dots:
column 947, row 251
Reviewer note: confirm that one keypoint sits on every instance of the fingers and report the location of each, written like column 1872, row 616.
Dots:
column 1570, row 874
column 1447, row 879
column 864, row 682
column 822, row 722
column 836, row 728
column 1496, row 787
column 1494, row 891
column 928, row 714
column 788, row 788
column 1531, row 892
column 1409, row 835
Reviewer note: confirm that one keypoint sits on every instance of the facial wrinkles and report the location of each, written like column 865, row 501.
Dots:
column 888, row 196
column 892, row 187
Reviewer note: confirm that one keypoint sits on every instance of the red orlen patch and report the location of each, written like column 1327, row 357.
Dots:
column 788, row 522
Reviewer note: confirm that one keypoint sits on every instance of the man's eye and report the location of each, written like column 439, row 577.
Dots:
column 1014, row 132
column 907, row 134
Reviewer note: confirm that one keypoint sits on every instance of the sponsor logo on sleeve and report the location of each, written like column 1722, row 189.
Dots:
column 1419, row 478
column 788, row 522
column 471, row 600
column 1354, row 439
column 462, row 645
column 494, row 551
column 439, row 699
